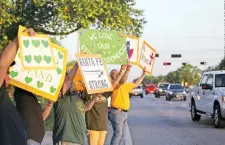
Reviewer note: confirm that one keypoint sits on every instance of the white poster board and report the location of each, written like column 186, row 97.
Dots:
column 42, row 82
column 94, row 73
column 132, row 46
column 147, row 57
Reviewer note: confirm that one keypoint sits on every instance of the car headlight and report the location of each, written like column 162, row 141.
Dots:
column 170, row 92
column 184, row 92
column 160, row 90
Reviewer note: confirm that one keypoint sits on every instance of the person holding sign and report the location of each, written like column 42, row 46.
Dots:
column 12, row 130
column 120, row 104
column 97, row 117
column 69, row 110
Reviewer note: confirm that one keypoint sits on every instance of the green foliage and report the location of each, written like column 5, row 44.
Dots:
column 187, row 73
column 221, row 66
column 62, row 17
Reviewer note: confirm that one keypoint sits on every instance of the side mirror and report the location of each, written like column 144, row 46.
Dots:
column 207, row 87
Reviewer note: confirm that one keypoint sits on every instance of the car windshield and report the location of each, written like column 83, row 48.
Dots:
column 175, row 87
column 163, row 86
column 220, row 80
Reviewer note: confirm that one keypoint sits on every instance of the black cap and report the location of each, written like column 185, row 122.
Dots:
column 13, row 63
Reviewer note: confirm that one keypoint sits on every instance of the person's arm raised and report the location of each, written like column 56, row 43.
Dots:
column 69, row 79
column 47, row 110
column 140, row 79
column 125, row 76
column 119, row 76
column 9, row 54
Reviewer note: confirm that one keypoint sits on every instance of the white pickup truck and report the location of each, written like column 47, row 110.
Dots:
column 208, row 97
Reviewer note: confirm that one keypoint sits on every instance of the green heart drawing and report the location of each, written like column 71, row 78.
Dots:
column 28, row 58
column 18, row 54
column 59, row 71
column 60, row 55
column 47, row 59
column 26, row 43
column 36, row 43
column 13, row 74
column 52, row 89
column 38, row 58
column 45, row 43
column 28, row 80
column 40, row 84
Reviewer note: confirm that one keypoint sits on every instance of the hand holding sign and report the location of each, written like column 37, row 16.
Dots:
column 147, row 57
column 35, row 51
column 94, row 73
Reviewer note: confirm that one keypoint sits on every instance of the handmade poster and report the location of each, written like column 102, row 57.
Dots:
column 110, row 44
column 94, row 73
column 147, row 57
column 35, row 51
column 42, row 82
column 132, row 46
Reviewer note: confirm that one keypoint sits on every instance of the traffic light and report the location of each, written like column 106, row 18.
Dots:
column 203, row 63
column 184, row 63
column 156, row 55
column 175, row 55
column 166, row 63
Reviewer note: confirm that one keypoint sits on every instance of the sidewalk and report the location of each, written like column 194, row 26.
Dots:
column 48, row 137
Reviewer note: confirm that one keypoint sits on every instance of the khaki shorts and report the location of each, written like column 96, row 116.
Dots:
column 96, row 137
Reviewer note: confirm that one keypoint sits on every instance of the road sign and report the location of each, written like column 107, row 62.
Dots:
column 166, row 63
column 175, row 55
column 203, row 63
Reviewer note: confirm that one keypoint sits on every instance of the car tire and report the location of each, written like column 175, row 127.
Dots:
column 194, row 115
column 142, row 96
column 166, row 98
column 217, row 116
column 185, row 98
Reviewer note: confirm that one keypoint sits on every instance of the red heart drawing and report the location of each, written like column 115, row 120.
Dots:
column 130, row 53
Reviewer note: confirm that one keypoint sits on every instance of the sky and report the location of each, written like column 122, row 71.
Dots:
column 193, row 28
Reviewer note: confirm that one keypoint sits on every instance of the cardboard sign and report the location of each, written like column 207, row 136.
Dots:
column 147, row 57
column 42, row 82
column 132, row 46
column 35, row 51
column 94, row 73
column 110, row 44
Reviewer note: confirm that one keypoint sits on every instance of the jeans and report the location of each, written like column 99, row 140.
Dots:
column 96, row 137
column 119, row 123
column 32, row 142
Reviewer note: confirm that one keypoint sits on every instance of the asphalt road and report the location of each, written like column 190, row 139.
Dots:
column 155, row 121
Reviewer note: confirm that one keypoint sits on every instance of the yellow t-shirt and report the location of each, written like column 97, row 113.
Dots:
column 120, row 97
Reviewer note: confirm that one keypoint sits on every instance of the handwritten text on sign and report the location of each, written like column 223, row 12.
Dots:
column 94, row 73
column 110, row 44
column 147, row 57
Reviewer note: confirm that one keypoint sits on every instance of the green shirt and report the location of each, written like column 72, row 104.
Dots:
column 97, row 117
column 69, row 125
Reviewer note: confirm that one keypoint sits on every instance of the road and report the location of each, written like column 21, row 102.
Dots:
column 155, row 121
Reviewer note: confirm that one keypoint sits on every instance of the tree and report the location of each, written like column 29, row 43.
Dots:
column 221, row 66
column 62, row 17
column 190, row 74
